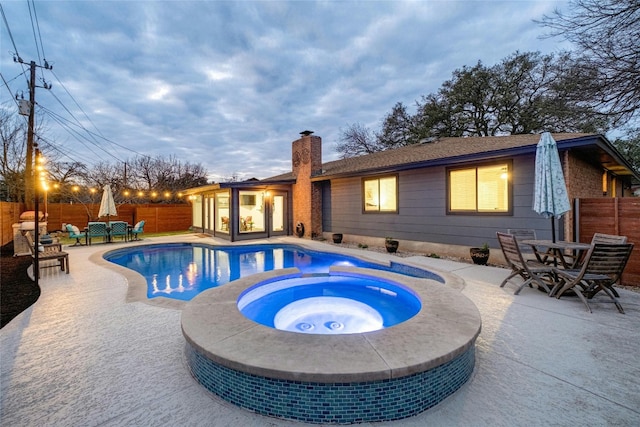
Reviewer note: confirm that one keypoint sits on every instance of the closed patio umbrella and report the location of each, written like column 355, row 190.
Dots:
column 550, row 198
column 107, row 204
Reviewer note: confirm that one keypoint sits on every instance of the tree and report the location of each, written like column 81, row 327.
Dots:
column 356, row 140
column 524, row 93
column 606, row 33
column 13, row 130
column 398, row 129
column 629, row 147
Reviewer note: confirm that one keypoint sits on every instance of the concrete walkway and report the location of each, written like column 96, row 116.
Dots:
column 82, row 356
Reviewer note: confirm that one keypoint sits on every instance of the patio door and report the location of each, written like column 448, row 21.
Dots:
column 278, row 218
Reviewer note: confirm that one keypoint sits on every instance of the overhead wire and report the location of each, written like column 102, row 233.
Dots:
column 16, row 57
column 87, row 138
column 92, row 134
column 79, row 136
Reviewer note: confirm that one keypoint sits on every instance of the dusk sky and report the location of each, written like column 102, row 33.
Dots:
column 231, row 84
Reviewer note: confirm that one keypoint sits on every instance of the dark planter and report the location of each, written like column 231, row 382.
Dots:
column 479, row 256
column 337, row 237
column 391, row 245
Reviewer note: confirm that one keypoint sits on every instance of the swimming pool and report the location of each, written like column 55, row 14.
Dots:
column 183, row 270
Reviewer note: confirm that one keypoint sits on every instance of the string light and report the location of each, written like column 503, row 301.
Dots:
column 78, row 190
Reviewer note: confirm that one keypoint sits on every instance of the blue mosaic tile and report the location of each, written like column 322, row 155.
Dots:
column 334, row 403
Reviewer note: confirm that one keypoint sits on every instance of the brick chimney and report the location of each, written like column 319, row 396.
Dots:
column 306, row 159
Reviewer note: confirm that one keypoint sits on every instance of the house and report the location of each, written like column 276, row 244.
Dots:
column 442, row 196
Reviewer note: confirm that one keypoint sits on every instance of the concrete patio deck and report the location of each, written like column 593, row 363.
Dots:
column 83, row 356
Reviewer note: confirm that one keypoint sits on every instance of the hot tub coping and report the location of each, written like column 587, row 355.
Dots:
column 446, row 326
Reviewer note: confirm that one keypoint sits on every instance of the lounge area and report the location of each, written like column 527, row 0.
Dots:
column 559, row 267
column 132, row 355
column 105, row 232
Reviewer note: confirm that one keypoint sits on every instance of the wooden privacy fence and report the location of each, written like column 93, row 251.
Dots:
column 619, row 216
column 158, row 218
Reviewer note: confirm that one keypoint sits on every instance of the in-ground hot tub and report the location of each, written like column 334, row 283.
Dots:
column 329, row 304
column 386, row 374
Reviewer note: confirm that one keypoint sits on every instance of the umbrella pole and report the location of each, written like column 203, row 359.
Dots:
column 553, row 239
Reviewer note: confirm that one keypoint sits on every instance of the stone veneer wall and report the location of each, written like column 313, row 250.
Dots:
column 306, row 159
column 584, row 180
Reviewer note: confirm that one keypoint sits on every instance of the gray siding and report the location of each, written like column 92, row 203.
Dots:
column 422, row 210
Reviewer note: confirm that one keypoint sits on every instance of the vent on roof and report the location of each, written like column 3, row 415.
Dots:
column 306, row 132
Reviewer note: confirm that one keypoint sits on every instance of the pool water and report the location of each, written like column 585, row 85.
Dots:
column 183, row 270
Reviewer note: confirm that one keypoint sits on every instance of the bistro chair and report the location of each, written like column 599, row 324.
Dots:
column 75, row 233
column 530, row 271
column 119, row 229
column 47, row 252
column 97, row 229
column 602, row 267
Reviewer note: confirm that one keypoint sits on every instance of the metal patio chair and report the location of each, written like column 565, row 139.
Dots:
column 602, row 267
column 97, row 229
column 119, row 229
column 137, row 230
column 530, row 271
column 75, row 233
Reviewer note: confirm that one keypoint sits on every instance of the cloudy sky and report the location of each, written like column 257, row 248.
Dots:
column 231, row 84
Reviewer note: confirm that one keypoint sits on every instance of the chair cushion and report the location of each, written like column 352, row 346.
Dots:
column 75, row 229
column 137, row 226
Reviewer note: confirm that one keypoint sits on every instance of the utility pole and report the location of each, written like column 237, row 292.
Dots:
column 31, row 193
column 28, row 170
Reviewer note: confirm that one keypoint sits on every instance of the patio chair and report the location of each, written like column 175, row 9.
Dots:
column 530, row 271
column 611, row 239
column 97, row 229
column 602, row 267
column 47, row 252
column 75, row 233
column 137, row 230
column 524, row 234
column 119, row 229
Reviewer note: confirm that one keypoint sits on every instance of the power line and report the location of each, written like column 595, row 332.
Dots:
column 87, row 140
column 16, row 55
column 4, row 17
column 39, row 33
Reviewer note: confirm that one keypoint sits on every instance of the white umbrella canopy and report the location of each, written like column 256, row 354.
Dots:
column 550, row 198
column 107, row 204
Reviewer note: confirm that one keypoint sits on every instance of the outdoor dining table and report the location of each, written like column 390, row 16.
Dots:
column 547, row 250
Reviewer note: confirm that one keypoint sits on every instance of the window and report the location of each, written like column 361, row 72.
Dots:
column 380, row 194
column 222, row 215
column 481, row 189
column 251, row 216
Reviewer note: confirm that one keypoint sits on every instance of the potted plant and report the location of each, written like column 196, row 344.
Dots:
column 480, row 255
column 337, row 237
column 391, row 244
